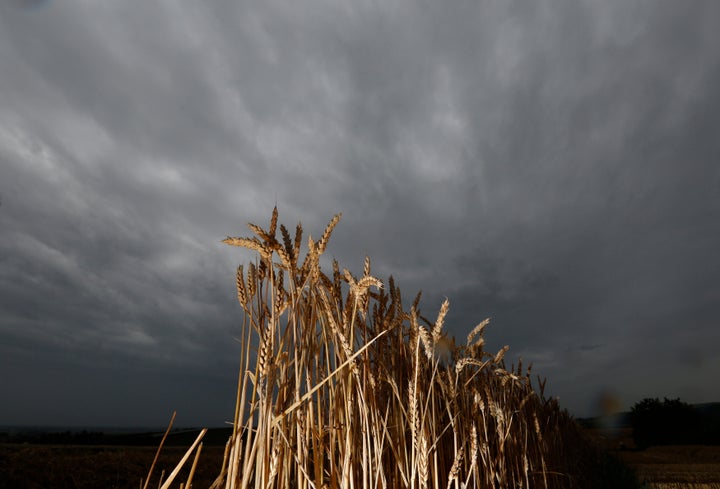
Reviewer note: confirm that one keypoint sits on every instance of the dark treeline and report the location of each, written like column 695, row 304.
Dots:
column 83, row 437
column 674, row 422
column 185, row 437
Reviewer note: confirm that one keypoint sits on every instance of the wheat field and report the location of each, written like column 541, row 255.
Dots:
column 341, row 385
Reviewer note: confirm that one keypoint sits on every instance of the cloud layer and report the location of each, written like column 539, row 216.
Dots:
column 554, row 166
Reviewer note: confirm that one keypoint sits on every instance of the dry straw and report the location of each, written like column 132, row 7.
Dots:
column 341, row 387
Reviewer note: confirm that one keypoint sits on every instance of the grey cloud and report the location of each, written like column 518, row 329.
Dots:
column 550, row 165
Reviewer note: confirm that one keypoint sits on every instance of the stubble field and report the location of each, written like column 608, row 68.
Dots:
column 119, row 467
column 676, row 467
column 90, row 467
column 663, row 467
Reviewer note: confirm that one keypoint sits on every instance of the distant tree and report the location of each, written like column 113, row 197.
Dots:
column 670, row 422
column 710, row 423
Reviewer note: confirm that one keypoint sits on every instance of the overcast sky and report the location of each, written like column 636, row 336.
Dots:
column 552, row 164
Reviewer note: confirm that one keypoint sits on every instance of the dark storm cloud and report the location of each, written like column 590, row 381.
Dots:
column 551, row 165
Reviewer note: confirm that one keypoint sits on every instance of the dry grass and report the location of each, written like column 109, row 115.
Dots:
column 342, row 386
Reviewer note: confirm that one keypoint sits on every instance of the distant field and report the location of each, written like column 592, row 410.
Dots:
column 90, row 459
column 88, row 467
column 664, row 467
column 676, row 467
column 683, row 485
column 117, row 467
column 123, row 466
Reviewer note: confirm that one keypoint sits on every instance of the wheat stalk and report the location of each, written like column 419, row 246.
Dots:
column 341, row 386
